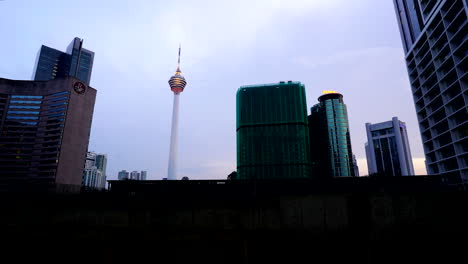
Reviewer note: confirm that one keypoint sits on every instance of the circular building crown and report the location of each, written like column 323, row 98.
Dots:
column 177, row 82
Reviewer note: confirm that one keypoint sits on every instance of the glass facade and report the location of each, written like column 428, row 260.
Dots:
column 272, row 132
column 388, row 152
column 30, row 138
column 76, row 62
column 330, row 143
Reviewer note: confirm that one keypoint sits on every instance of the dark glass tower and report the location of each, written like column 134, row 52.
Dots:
column 272, row 137
column 330, row 142
column 76, row 62
column 437, row 62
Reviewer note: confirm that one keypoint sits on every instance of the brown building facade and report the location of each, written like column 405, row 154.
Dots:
column 44, row 131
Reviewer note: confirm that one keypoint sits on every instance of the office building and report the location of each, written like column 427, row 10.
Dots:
column 143, row 175
column 434, row 35
column 123, row 175
column 45, row 127
column 134, row 175
column 272, row 132
column 94, row 175
column 387, row 149
column 76, row 62
column 330, row 142
column 356, row 167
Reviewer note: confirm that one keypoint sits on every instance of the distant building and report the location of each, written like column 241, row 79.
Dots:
column 272, row 137
column 134, row 175
column 434, row 35
column 76, row 62
column 387, row 149
column 123, row 175
column 143, row 175
column 94, row 175
column 356, row 167
column 45, row 127
column 330, row 141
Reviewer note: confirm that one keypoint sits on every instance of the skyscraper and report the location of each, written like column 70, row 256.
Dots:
column 94, row 175
column 177, row 84
column 45, row 127
column 123, row 175
column 387, row 149
column 434, row 35
column 330, row 141
column 76, row 62
column 143, row 175
column 272, row 137
column 134, row 175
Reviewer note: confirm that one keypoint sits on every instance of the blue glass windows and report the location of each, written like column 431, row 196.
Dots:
column 26, row 97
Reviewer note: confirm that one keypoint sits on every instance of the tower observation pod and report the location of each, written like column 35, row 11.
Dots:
column 177, row 83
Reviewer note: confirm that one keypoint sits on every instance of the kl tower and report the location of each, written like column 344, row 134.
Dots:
column 177, row 83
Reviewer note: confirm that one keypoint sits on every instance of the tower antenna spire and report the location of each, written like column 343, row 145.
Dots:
column 178, row 61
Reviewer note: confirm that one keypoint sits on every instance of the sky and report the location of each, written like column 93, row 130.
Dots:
column 353, row 47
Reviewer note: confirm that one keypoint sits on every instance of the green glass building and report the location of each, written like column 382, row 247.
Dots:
column 272, row 131
column 330, row 142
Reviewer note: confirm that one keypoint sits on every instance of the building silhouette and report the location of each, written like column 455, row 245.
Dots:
column 272, row 137
column 76, row 62
column 436, row 50
column 45, row 127
column 387, row 149
column 330, row 141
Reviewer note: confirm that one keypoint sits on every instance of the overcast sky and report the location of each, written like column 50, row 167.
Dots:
column 353, row 47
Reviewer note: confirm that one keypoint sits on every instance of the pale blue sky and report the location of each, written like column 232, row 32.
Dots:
column 352, row 47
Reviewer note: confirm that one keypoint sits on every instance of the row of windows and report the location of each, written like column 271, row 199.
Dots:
column 26, row 97
column 61, row 93
column 59, row 99
column 23, row 112
column 57, row 104
column 25, row 102
column 23, row 117
column 57, row 110
column 59, row 114
column 24, row 106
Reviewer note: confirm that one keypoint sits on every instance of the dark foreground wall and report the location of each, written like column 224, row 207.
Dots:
column 213, row 222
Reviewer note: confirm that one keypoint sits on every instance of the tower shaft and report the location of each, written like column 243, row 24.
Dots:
column 171, row 171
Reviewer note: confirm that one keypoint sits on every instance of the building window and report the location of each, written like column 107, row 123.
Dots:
column 25, row 102
column 26, row 97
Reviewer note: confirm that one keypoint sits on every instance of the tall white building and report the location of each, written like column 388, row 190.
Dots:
column 434, row 35
column 387, row 149
column 94, row 175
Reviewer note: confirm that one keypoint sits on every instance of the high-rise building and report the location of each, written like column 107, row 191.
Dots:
column 44, row 130
column 272, row 132
column 177, row 83
column 76, row 62
column 143, row 175
column 356, row 167
column 134, row 175
column 123, row 175
column 436, row 48
column 387, row 149
column 330, row 141
column 94, row 175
